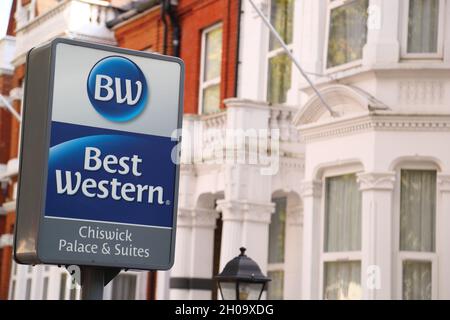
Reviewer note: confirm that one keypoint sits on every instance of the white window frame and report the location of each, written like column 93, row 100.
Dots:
column 273, row 53
column 203, row 85
column 333, row 4
column 402, row 256
column 344, row 256
column 440, row 39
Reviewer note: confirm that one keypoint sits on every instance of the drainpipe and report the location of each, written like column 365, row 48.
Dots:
column 170, row 8
column 236, row 71
column 164, row 20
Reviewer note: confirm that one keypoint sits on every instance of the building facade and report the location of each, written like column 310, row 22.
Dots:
column 349, row 204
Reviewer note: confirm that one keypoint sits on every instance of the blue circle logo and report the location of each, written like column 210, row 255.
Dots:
column 117, row 89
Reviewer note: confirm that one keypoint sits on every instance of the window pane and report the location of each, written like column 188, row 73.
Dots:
column 423, row 23
column 213, row 54
column 347, row 33
column 281, row 13
column 211, row 99
column 279, row 78
column 342, row 214
column 275, row 287
column 342, row 280
column 416, row 280
column 277, row 232
column 417, row 210
column 124, row 287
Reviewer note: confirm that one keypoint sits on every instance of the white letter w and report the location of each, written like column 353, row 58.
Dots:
column 68, row 187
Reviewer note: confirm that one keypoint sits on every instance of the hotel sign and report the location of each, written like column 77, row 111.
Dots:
column 99, row 172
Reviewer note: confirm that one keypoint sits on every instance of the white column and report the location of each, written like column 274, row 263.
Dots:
column 253, row 52
column 383, row 33
column 377, row 245
column 202, row 246
column 443, row 242
column 246, row 225
column 183, row 248
column 311, row 194
column 194, row 253
column 293, row 252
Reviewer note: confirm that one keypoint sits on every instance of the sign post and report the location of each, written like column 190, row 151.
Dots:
column 99, row 166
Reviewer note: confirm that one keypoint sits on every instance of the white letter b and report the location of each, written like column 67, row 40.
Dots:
column 107, row 86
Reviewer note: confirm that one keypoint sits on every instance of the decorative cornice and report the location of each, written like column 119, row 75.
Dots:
column 294, row 215
column 376, row 181
column 205, row 218
column 443, row 181
column 197, row 217
column 374, row 122
column 234, row 210
column 312, row 188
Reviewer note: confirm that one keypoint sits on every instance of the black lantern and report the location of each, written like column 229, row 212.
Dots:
column 241, row 279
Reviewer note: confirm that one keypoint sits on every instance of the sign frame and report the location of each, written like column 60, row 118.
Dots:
column 35, row 149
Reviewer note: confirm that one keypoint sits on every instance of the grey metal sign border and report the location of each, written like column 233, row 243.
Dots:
column 47, row 96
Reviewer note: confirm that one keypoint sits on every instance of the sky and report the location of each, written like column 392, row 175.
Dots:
column 5, row 7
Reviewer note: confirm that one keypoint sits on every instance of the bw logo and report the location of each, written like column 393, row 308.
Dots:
column 117, row 89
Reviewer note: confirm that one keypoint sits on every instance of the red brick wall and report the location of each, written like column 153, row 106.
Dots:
column 6, row 257
column 12, row 22
column 19, row 74
column 142, row 33
column 5, row 120
column 195, row 15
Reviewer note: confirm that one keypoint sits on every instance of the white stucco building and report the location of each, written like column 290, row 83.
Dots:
column 359, row 207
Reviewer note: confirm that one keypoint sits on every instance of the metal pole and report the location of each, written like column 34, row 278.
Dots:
column 92, row 283
column 294, row 60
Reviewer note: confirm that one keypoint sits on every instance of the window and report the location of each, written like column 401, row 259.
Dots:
column 417, row 232
column 211, row 65
column 277, row 235
column 342, row 238
column 124, row 287
column 279, row 64
column 424, row 29
column 347, row 31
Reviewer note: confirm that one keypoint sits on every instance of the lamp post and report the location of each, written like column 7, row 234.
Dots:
column 241, row 279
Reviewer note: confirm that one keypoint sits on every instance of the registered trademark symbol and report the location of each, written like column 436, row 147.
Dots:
column 168, row 202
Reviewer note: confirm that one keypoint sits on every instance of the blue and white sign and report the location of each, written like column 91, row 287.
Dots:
column 117, row 88
column 110, row 181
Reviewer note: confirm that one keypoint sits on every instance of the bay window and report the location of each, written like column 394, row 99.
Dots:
column 277, row 236
column 417, row 233
column 347, row 31
column 211, row 63
column 342, row 238
column 424, row 28
column 279, row 64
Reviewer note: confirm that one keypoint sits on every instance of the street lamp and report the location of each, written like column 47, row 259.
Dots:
column 241, row 279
